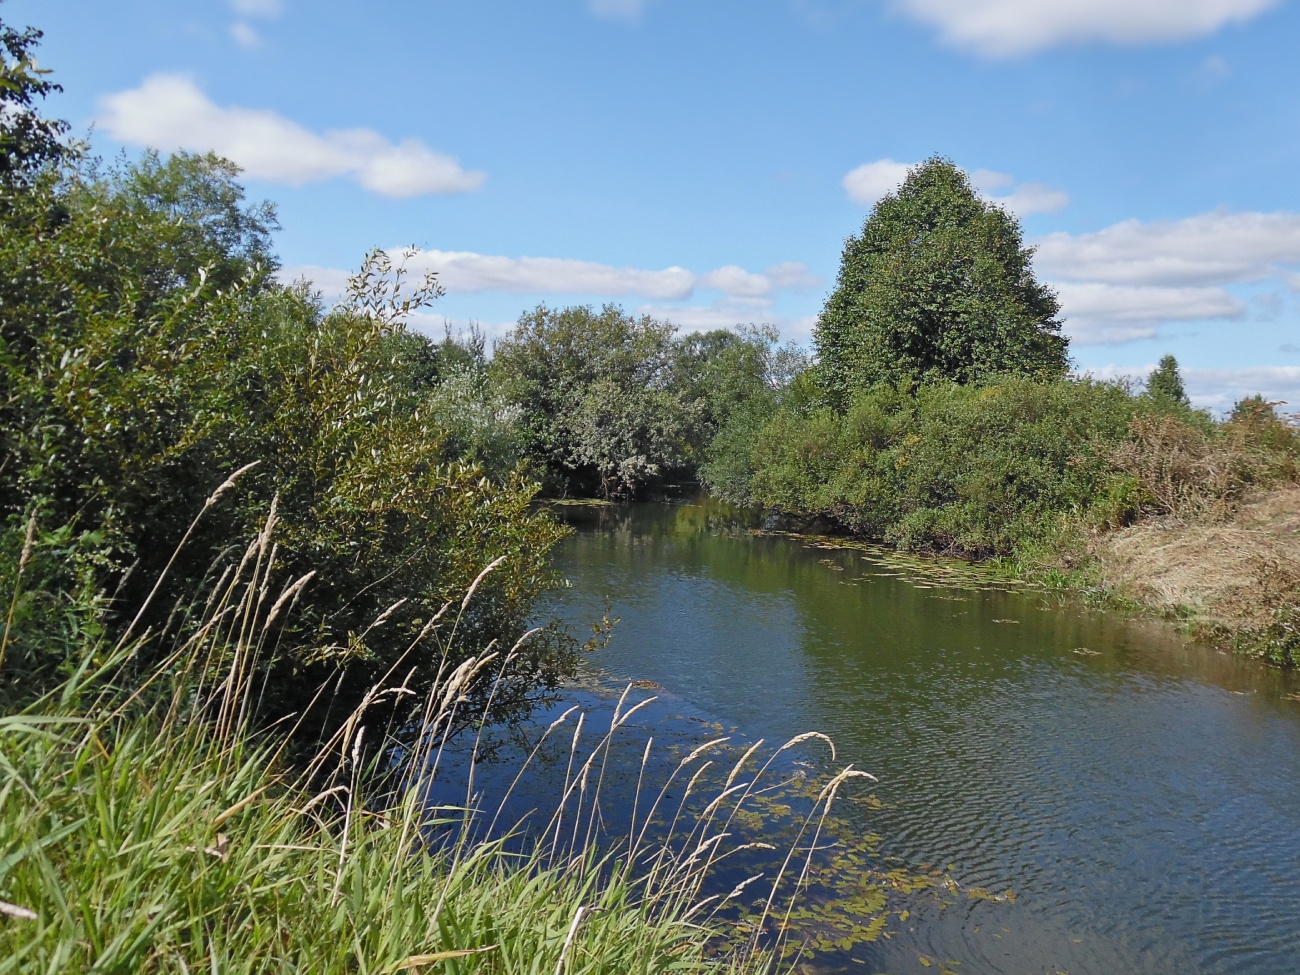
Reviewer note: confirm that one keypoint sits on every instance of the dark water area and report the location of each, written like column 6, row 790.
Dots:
column 1139, row 794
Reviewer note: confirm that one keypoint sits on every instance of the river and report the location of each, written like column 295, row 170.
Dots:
column 1138, row 793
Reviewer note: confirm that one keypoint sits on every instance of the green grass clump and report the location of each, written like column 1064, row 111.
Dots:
column 141, row 845
column 147, row 824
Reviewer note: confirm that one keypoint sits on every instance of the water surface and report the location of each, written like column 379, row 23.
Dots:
column 1138, row 793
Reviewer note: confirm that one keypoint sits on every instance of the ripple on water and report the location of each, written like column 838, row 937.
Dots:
column 1141, row 798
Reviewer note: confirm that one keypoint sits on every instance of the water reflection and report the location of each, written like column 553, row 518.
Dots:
column 1137, row 791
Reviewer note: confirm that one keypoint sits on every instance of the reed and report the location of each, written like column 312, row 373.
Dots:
column 148, row 825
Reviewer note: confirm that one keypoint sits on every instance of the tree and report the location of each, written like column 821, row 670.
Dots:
column 28, row 142
column 937, row 285
column 600, row 408
column 1166, row 383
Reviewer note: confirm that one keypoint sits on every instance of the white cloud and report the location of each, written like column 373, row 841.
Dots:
column 1123, row 282
column 724, row 313
column 625, row 10
column 245, row 35
column 792, row 274
column 1005, row 28
column 170, row 112
column 466, row 272
column 1219, row 389
column 1029, row 198
column 257, row 8
column 1098, row 313
column 736, row 281
column 1209, row 249
column 869, row 182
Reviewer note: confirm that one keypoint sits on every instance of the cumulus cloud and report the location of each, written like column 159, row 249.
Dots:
column 466, row 272
column 1106, row 313
column 1006, row 28
column 1220, row 388
column 625, row 10
column 723, row 313
column 1222, row 247
column 869, row 182
column 1124, row 281
column 170, row 112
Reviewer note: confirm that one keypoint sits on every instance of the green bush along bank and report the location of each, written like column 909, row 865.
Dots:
column 938, row 415
column 148, row 353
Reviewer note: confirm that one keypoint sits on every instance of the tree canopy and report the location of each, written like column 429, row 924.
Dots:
column 938, row 285
column 1166, row 382
column 28, row 141
column 600, row 409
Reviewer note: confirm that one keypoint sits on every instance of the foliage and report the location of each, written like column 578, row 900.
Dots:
column 729, row 466
column 938, row 285
column 600, row 410
column 612, row 405
column 29, row 142
column 970, row 470
column 1187, row 466
column 148, row 354
column 1166, row 382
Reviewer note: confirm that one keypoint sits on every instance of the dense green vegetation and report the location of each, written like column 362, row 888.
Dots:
column 937, row 286
column 261, row 559
column 146, row 825
column 938, row 417
column 612, row 406
column 148, row 354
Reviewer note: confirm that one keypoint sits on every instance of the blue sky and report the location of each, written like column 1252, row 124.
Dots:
column 703, row 161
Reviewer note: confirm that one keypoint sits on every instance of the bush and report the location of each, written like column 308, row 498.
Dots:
column 1188, row 466
column 147, row 354
column 962, row 469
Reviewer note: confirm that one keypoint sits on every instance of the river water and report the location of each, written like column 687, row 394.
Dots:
column 1140, row 795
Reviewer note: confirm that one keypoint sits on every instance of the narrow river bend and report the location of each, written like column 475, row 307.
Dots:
column 1139, row 794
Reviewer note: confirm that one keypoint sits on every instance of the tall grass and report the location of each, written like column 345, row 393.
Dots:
column 147, row 825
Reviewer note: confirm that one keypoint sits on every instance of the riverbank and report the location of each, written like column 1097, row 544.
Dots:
column 1234, row 580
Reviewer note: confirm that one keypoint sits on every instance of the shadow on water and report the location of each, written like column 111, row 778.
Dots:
column 1138, row 793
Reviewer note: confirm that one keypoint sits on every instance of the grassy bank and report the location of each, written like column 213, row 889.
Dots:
column 148, row 824
column 1233, row 580
column 142, row 844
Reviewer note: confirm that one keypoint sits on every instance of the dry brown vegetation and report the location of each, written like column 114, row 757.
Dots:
column 1211, row 567
column 1217, row 537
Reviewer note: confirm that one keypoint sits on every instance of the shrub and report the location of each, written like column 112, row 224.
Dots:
column 148, row 354
column 1187, row 466
column 965, row 469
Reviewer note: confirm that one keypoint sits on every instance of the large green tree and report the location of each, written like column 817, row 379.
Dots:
column 938, row 285
column 600, row 406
